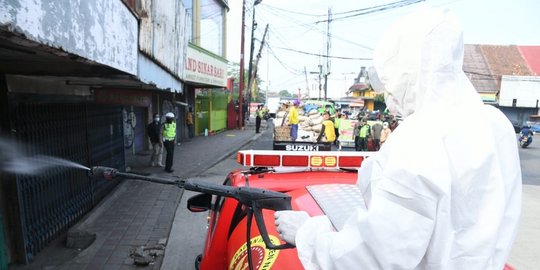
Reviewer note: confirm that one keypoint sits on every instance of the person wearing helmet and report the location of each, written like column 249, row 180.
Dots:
column 293, row 119
column 437, row 202
column 169, row 137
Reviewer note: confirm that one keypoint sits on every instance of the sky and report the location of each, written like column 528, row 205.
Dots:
column 297, row 34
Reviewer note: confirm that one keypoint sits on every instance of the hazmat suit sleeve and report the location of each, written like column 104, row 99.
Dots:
column 393, row 233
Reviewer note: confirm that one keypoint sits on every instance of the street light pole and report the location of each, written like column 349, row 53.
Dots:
column 241, row 80
column 252, row 48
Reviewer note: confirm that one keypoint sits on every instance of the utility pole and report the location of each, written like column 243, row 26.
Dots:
column 253, row 75
column 327, row 71
column 252, row 48
column 241, row 82
column 267, row 70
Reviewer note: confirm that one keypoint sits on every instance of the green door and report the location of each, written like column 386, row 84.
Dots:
column 202, row 114
column 219, row 110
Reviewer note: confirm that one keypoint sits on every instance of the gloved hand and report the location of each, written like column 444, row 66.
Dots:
column 288, row 222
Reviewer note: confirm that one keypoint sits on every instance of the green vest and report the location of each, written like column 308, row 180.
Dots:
column 260, row 113
column 169, row 131
column 365, row 131
column 337, row 122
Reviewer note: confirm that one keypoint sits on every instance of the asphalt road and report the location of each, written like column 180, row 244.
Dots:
column 196, row 227
column 530, row 162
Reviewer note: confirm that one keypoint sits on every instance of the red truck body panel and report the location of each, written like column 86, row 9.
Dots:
column 225, row 246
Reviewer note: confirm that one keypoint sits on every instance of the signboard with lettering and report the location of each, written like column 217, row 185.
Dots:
column 205, row 68
column 302, row 146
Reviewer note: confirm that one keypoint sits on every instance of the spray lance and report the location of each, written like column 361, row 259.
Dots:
column 254, row 198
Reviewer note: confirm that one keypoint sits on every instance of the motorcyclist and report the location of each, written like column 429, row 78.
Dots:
column 436, row 202
column 526, row 132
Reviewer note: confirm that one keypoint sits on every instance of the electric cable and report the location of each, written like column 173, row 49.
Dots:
column 310, row 26
column 481, row 74
column 292, row 12
column 390, row 6
column 290, row 69
column 326, row 56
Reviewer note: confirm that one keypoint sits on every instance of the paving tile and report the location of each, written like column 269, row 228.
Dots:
column 143, row 237
column 116, row 260
column 103, row 253
column 91, row 266
column 111, row 267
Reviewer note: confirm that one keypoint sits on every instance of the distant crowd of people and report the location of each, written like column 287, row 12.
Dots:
column 368, row 135
column 371, row 137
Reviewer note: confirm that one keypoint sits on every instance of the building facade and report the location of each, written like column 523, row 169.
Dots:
column 79, row 80
column 506, row 76
column 206, row 66
column 361, row 89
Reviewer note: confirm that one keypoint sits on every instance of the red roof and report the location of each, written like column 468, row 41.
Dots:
column 491, row 62
column 531, row 54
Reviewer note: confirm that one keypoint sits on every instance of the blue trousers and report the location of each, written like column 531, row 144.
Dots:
column 294, row 131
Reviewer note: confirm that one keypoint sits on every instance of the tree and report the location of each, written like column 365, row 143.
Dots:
column 284, row 93
column 379, row 98
column 256, row 94
column 261, row 97
column 379, row 103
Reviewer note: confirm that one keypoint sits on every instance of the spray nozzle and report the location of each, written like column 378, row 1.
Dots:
column 105, row 172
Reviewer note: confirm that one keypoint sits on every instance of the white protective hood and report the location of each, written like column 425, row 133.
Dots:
column 444, row 191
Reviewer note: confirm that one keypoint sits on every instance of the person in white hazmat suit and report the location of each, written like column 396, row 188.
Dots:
column 436, row 196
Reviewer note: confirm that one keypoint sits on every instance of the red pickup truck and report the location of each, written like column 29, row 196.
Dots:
column 241, row 210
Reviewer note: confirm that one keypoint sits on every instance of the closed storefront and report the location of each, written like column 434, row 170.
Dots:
column 136, row 106
column 211, row 110
column 206, row 75
column 52, row 198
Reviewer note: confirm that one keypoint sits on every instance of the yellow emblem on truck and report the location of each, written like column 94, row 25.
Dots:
column 263, row 258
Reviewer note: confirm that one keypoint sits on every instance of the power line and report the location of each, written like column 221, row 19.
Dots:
column 290, row 69
column 286, row 17
column 375, row 9
column 323, row 55
column 481, row 74
column 336, row 13
column 309, row 27
column 293, row 12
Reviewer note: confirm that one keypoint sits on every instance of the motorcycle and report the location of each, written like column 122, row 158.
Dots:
column 525, row 139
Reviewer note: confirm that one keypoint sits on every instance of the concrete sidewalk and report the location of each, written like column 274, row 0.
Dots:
column 138, row 215
column 525, row 252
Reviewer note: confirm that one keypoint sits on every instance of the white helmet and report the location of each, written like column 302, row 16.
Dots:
column 169, row 115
